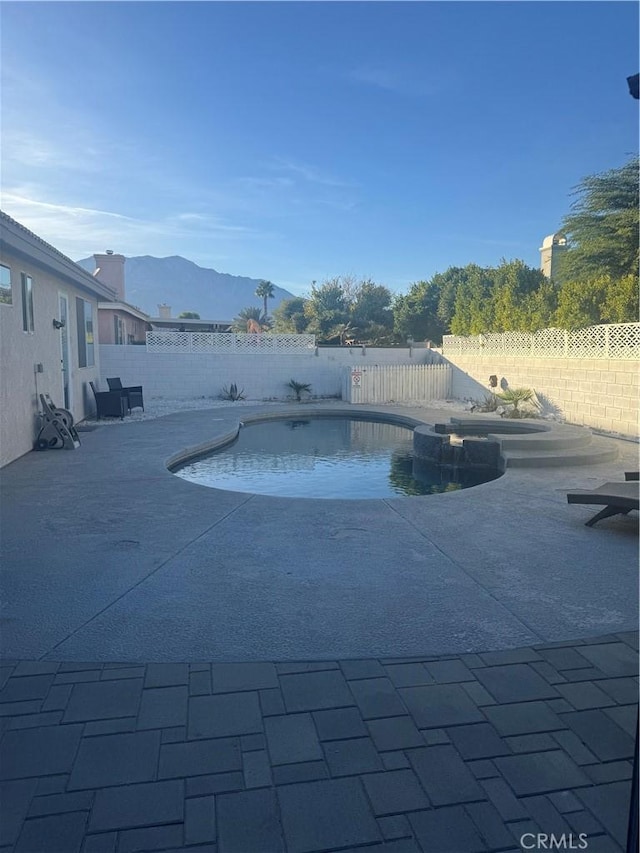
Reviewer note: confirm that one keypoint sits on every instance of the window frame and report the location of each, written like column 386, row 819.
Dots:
column 85, row 333
column 3, row 287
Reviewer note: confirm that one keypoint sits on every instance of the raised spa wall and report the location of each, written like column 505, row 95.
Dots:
column 433, row 445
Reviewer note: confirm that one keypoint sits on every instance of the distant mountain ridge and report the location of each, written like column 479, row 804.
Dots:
column 185, row 286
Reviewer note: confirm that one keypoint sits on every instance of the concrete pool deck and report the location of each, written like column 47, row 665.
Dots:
column 187, row 669
column 110, row 557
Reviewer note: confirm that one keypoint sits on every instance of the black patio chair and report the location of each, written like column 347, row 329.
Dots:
column 132, row 395
column 109, row 404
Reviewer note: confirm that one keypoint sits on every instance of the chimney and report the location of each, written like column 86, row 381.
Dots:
column 164, row 312
column 110, row 271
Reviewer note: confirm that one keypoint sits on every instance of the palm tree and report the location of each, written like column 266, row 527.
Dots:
column 265, row 291
column 249, row 318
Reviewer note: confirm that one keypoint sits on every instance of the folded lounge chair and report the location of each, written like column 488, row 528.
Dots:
column 109, row 404
column 618, row 498
column 132, row 395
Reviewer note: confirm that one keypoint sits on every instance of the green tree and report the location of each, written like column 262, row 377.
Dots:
column 289, row 317
column 327, row 311
column 370, row 309
column 514, row 284
column 188, row 315
column 415, row 314
column 602, row 229
column 580, row 303
column 474, row 312
column 247, row 317
column 265, row 290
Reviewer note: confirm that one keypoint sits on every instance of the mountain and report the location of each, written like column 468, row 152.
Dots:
column 185, row 286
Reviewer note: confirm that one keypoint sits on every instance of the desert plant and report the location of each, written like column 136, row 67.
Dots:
column 489, row 404
column 515, row 396
column 298, row 388
column 232, row 393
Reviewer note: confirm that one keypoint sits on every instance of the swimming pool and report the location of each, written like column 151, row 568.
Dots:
column 326, row 457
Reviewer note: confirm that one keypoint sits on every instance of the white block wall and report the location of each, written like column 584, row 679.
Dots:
column 187, row 376
column 598, row 393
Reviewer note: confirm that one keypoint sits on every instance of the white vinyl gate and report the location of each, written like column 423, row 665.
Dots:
column 397, row 383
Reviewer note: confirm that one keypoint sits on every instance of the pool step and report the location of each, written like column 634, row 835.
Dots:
column 569, row 439
column 597, row 450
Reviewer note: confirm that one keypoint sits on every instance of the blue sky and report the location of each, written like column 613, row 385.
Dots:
column 299, row 141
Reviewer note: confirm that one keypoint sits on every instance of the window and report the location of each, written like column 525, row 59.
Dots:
column 27, row 303
column 118, row 330
column 5, row 286
column 84, row 314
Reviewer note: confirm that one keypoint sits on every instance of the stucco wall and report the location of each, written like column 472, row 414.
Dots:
column 185, row 375
column 20, row 351
column 598, row 393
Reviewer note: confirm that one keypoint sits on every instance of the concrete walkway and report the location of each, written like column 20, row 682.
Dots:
column 468, row 675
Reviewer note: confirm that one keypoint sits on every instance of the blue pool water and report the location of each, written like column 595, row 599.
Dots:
column 325, row 458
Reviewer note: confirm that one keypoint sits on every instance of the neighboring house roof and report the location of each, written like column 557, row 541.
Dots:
column 186, row 322
column 16, row 238
column 124, row 306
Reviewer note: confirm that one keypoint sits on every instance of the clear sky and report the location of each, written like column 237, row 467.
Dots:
column 296, row 141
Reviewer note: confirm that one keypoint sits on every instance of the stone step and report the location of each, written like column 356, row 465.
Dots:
column 569, row 439
column 598, row 450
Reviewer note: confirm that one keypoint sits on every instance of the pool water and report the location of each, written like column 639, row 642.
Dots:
column 325, row 458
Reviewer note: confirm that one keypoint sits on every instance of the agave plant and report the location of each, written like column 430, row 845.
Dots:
column 515, row 396
column 232, row 393
column 298, row 388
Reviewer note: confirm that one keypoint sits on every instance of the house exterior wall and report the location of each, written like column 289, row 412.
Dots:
column 21, row 351
column 132, row 327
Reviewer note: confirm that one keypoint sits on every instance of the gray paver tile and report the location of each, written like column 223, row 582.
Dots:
column 394, row 792
column 407, row 674
column 130, row 806
column 477, row 741
column 567, row 658
column 354, row 669
column 350, row 757
column 622, row 690
column 57, row 697
column 217, row 783
column 249, row 821
column 377, row 697
column 32, row 721
column 101, row 700
column 110, row 727
column 339, row 723
column 510, row 656
column 150, row 838
column 224, row 715
column 309, row 771
column 291, row 667
column 14, row 803
column 38, row 752
column 486, row 818
column 440, row 705
column 391, row 733
column 104, row 842
column 257, row 770
column 515, row 683
column 200, row 683
column 26, row 688
column 81, row 801
column 600, row 734
column 477, row 693
column 531, row 743
column 314, row 691
column 199, row 758
column 163, row 707
column 523, row 718
column 565, row 802
column 449, row 671
column 35, row 667
column 584, row 822
column 166, row 674
column 483, row 768
column 447, row 830
column 292, row 738
column 435, row 737
column 550, row 675
column 122, row 672
column 625, row 716
column 615, row 659
column 542, row 772
column 545, row 814
column 573, row 746
column 591, row 674
column 271, row 702
column 235, row 677
column 200, row 820
column 444, row 775
column 77, row 666
column 394, row 826
column 250, row 743
column 53, row 834
column 503, row 799
column 326, row 814
column 611, row 771
column 15, row 709
column 84, row 675
column 604, row 802
column 559, row 706
column 584, row 695
column 394, row 760
column 174, row 734
column 115, row 760
column 52, row 784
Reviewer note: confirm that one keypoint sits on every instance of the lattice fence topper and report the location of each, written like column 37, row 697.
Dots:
column 615, row 340
column 229, row 342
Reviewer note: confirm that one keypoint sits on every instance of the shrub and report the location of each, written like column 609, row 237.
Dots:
column 298, row 388
column 232, row 393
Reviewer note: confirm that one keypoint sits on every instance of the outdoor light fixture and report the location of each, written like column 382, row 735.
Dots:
column 493, row 381
column 58, row 324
